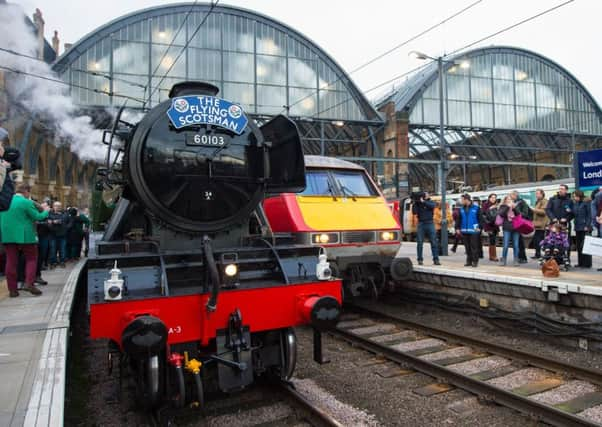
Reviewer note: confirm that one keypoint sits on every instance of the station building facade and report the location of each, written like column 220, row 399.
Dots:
column 510, row 116
column 50, row 168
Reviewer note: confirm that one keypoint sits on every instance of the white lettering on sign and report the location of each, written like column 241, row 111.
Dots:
column 589, row 175
column 175, row 330
column 219, row 118
column 209, row 140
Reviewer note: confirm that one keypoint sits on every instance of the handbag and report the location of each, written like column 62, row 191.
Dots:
column 522, row 225
column 499, row 220
column 550, row 268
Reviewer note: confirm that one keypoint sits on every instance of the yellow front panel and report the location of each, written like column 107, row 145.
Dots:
column 365, row 213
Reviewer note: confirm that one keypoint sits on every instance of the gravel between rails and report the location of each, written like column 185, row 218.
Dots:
column 452, row 352
column 480, row 365
column 344, row 413
column 519, row 378
column 593, row 414
column 418, row 345
column 256, row 416
column 379, row 328
column 395, row 336
column 564, row 392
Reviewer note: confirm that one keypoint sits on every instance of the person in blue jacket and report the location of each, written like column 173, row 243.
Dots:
column 423, row 208
column 468, row 224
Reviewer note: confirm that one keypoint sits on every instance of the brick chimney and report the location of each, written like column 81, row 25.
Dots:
column 56, row 44
column 39, row 23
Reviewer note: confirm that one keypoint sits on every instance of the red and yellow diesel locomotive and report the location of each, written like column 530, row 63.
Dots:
column 187, row 282
column 343, row 210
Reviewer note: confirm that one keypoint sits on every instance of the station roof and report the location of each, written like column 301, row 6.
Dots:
column 254, row 59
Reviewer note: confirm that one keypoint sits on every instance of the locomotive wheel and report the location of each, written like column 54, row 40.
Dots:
column 370, row 289
column 288, row 355
column 149, row 382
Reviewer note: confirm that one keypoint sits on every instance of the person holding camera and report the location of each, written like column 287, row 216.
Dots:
column 423, row 207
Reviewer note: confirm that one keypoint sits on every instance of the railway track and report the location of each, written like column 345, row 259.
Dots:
column 546, row 390
column 277, row 403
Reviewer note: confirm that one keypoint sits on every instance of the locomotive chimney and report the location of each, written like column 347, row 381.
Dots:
column 193, row 88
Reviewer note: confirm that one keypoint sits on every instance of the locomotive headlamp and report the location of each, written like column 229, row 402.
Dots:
column 324, row 238
column 114, row 286
column 231, row 270
column 387, row 235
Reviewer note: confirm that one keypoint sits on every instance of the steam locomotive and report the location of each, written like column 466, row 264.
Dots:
column 188, row 283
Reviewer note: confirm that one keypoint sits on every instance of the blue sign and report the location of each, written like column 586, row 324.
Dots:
column 589, row 166
column 207, row 110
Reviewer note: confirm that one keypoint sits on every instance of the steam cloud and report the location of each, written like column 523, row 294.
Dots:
column 49, row 100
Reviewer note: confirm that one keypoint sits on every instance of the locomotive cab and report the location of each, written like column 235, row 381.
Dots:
column 190, row 269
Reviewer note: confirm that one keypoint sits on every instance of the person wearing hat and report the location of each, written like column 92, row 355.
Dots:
column 468, row 224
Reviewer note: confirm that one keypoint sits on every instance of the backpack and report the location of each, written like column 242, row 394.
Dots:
column 7, row 193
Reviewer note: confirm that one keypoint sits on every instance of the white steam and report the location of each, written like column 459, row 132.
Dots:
column 49, row 100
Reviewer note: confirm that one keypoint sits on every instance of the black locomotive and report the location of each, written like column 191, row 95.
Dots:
column 188, row 283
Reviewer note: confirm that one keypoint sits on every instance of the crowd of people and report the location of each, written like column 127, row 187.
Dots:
column 35, row 236
column 549, row 223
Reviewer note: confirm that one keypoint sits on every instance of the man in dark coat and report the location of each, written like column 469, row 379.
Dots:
column 59, row 223
column 469, row 226
column 424, row 208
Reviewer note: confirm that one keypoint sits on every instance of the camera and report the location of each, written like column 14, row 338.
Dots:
column 12, row 156
column 417, row 195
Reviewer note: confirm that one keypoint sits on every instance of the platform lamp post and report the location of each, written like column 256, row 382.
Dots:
column 442, row 144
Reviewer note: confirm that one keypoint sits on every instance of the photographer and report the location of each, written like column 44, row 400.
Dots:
column 423, row 207
column 9, row 161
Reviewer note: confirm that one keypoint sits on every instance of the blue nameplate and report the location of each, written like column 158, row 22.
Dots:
column 207, row 110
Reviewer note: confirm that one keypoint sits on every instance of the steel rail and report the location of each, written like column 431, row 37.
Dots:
column 541, row 412
column 317, row 413
column 587, row 374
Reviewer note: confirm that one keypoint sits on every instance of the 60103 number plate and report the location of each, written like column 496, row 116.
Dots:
column 207, row 140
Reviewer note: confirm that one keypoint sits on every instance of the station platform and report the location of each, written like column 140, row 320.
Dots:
column 576, row 280
column 575, row 296
column 33, row 350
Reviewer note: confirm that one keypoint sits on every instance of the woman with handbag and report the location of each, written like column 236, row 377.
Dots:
column 505, row 217
column 489, row 212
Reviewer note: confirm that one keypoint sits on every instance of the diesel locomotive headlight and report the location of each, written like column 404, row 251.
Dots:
column 388, row 236
column 324, row 238
column 231, row 270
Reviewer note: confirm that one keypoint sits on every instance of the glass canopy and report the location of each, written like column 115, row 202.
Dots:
column 262, row 64
column 506, row 88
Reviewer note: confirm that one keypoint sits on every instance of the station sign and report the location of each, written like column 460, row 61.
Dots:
column 589, row 168
column 192, row 110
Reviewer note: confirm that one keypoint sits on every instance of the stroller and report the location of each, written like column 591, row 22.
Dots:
column 556, row 245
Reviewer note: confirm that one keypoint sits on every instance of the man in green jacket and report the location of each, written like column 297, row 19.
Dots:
column 18, row 226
